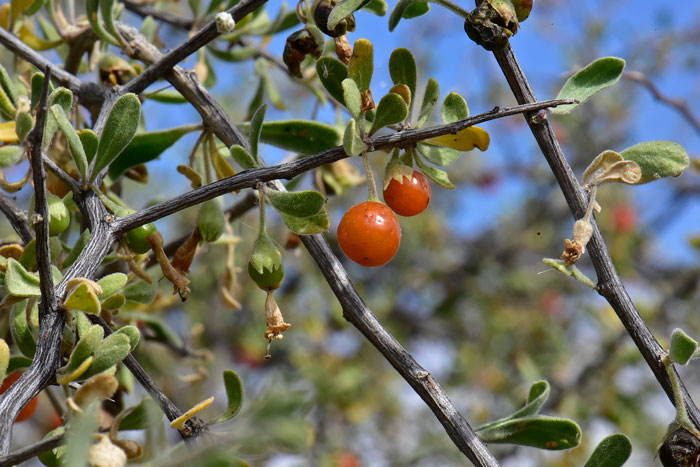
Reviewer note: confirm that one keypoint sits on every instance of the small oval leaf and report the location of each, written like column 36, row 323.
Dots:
column 332, row 72
column 119, row 130
column 539, row 431
column 454, row 108
column 234, row 393
column 390, row 110
column 613, row 451
column 596, row 76
column 297, row 203
column 352, row 143
column 302, row 136
column 682, row 346
column 402, row 68
column 307, row 225
column 657, row 159
column 361, row 64
column 352, row 97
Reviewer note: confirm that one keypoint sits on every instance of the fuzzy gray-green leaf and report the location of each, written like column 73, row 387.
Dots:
column 297, row 203
column 10, row 155
column 402, row 68
column 111, row 351
column 682, row 346
column 390, row 110
column 234, row 394
column 352, row 143
column 657, row 159
column 539, row 431
column 596, row 76
column 613, row 451
column 119, row 130
column 74, row 143
column 307, row 225
column 332, row 72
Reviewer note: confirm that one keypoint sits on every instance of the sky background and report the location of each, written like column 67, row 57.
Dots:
column 551, row 43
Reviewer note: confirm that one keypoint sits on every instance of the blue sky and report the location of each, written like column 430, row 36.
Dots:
column 545, row 45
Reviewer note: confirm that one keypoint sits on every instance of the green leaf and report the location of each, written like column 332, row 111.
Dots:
column 307, row 225
column 8, row 86
column 141, row 291
column 657, row 159
column 682, row 346
column 24, row 123
column 80, row 244
column 361, row 64
column 10, row 155
column 596, row 76
column 133, row 333
column 539, row 431
column 539, row 393
column 613, row 451
column 439, row 155
column 90, row 142
column 84, row 349
column 416, row 9
column 111, row 284
column 243, row 157
column 20, row 282
column 74, row 143
column 402, row 68
column 438, row 176
column 390, row 110
column 145, row 415
column 111, row 351
column 256, row 125
column 7, row 110
column 454, row 108
column 79, row 436
column 114, row 302
column 167, row 96
column 4, row 358
column 297, row 203
column 63, row 97
column 83, row 298
column 302, row 136
column 119, row 130
column 378, row 7
column 148, row 146
column 342, row 10
column 234, row 393
column 81, row 322
column 407, row 9
column 36, row 85
column 352, row 97
column 20, row 331
column 352, row 143
column 332, row 72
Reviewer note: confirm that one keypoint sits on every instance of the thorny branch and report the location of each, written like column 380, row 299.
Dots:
column 610, row 285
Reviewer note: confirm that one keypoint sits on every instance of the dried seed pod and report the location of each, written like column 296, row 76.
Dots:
column 321, row 10
column 307, row 41
column 680, row 449
column 486, row 26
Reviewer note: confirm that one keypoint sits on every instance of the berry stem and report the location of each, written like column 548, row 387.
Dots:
column 261, row 200
column 371, row 185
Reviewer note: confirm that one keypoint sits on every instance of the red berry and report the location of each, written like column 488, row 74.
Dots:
column 410, row 197
column 28, row 409
column 369, row 233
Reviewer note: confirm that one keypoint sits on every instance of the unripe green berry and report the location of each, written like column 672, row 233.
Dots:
column 265, row 265
column 210, row 221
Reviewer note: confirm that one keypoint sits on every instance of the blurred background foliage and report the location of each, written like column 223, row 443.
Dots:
column 467, row 294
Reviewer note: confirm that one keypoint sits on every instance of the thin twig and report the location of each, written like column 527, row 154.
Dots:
column 357, row 313
column 193, row 427
column 41, row 206
column 32, row 450
column 680, row 105
column 88, row 93
column 55, row 169
column 248, row 178
column 204, row 36
column 18, row 219
column 610, row 285
column 144, row 10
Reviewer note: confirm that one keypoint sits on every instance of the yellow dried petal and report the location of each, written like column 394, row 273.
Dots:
column 179, row 422
column 464, row 140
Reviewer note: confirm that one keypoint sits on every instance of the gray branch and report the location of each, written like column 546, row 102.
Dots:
column 610, row 285
column 18, row 219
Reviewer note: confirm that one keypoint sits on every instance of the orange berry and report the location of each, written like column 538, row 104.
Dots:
column 369, row 233
column 410, row 197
